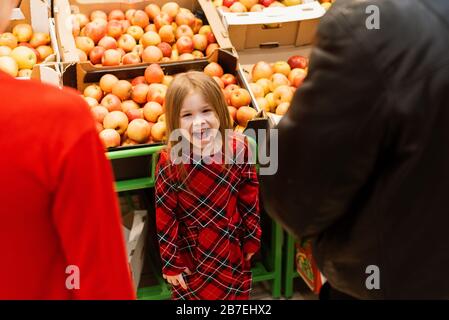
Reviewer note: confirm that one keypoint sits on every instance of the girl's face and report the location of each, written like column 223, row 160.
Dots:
column 199, row 120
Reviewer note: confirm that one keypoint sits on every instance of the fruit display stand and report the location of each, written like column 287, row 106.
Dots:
column 32, row 28
column 64, row 9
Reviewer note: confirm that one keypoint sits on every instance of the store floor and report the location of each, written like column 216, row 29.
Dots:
column 261, row 291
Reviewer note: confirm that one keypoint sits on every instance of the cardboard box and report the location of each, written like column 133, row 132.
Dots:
column 37, row 14
column 135, row 227
column 64, row 8
column 272, row 35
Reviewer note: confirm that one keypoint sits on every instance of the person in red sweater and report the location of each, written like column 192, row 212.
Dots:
column 60, row 231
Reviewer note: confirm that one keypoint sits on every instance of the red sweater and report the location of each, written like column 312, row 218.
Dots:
column 57, row 203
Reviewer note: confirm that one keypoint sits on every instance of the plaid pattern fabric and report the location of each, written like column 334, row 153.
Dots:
column 208, row 223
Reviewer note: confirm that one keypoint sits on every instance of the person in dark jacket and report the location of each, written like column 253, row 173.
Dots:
column 364, row 151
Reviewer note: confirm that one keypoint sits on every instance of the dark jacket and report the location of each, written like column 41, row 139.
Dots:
column 364, row 150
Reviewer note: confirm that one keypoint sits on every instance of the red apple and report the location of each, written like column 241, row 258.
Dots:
column 261, row 70
column 162, row 19
column 228, row 79
column 127, row 42
column 116, row 14
column 139, row 93
column 140, row 18
column 116, row 120
column 200, row 42
column 281, row 67
column 150, row 38
column 152, row 110
column 82, row 56
column 95, row 30
column 165, row 49
column 110, row 138
column 85, row 44
column 156, row 93
column 122, row 89
column 99, row 112
column 128, row 105
column 152, row 10
column 133, row 114
column 129, row 14
column 185, row 17
column 40, row 39
column 184, row 30
column 278, row 79
column 154, row 74
column 111, row 57
column 197, row 54
column 96, row 54
column 131, row 58
column 298, row 62
column 197, row 25
column 228, row 92
column 138, row 80
column 108, row 43
column 44, row 52
column 111, row 102
column 82, row 19
column 171, row 8
column 213, row 69
column 93, row 91
column 136, row 32
column 152, row 54
column 229, row 3
column 210, row 38
column 282, row 94
column 244, row 114
column 107, row 82
column 98, row 14
column 296, row 77
column 139, row 130
column 23, row 32
column 184, row 45
column 167, row 34
column 8, row 39
column 114, row 29
column 238, row 7
column 257, row 90
column 266, row 3
column 240, row 98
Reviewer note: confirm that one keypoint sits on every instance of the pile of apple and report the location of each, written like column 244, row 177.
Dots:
column 273, row 85
column 156, row 34
column 132, row 112
column 21, row 49
column 259, row 5
column 237, row 98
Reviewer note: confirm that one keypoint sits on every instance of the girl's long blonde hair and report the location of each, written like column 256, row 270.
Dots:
column 184, row 84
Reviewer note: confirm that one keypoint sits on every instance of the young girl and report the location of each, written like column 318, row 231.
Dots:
column 207, row 215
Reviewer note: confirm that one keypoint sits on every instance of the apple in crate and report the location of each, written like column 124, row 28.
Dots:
column 116, row 120
column 110, row 138
column 139, row 130
column 9, row 66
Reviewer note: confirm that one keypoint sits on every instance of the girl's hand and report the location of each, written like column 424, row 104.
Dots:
column 249, row 256
column 177, row 279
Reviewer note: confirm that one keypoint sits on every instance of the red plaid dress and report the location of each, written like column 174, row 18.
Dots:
column 208, row 222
